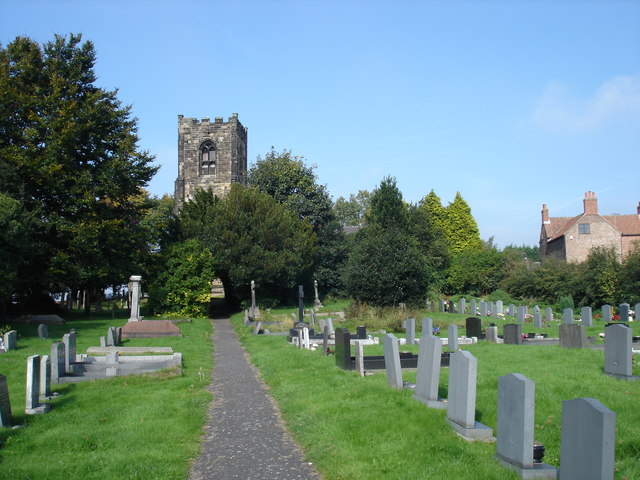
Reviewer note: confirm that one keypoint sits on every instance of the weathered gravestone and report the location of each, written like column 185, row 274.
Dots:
column 11, row 340
column 491, row 334
column 316, row 302
column 392, row 361
column 624, row 312
column 548, row 314
column 69, row 340
column 43, row 331
column 514, row 432
column 428, row 373
column 499, row 307
column 452, row 306
column 521, row 313
column 618, row 359
column 452, row 332
column 461, row 404
column 536, row 308
column 359, row 357
column 572, row 335
column 246, row 317
column 473, row 309
column 512, row 334
column 328, row 322
column 588, row 439
column 33, row 405
column 325, row 340
column 57, row 361
column 537, row 320
column 312, row 317
column 473, row 327
column 585, row 315
column 111, row 337
column 427, row 326
column 511, row 311
column 567, row 316
column 494, row 310
column 343, row 349
column 483, row 308
column 462, row 306
column 410, row 331
column 135, row 294
column 607, row 313
column 45, row 378
column 5, row 404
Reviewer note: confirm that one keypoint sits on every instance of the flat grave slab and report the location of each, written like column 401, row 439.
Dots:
column 129, row 350
column 37, row 319
column 150, row 329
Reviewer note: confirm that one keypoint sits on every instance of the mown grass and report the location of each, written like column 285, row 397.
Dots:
column 359, row 428
column 135, row 427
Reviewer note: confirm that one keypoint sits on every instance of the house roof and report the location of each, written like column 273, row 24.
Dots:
column 625, row 224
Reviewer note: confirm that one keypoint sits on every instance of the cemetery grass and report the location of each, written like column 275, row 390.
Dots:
column 134, row 427
column 359, row 428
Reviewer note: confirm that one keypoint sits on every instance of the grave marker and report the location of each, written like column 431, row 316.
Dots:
column 624, row 312
column 316, row 301
column 606, row 313
column 135, row 294
column 618, row 359
column 410, row 331
column 462, row 306
column 11, row 340
column 473, row 309
column 442, row 306
column 473, row 327
column 452, row 332
column 492, row 334
column 69, row 340
column 585, row 315
column 5, row 404
column 537, row 320
column 45, row 378
column 483, row 308
column 43, row 331
column 359, row 357
column 57, row 361
column 548, row 314
column 567, row 316
column 572, row 335
column 500, row 306
column 428, row 373
column 452, row 306
column 300, row 303
column 33, row 405
column 427, row 326
column 461, row 405
column 512, row 310
column 392, row 361
column 521, row 313
column 587, row 445
column 512, row 334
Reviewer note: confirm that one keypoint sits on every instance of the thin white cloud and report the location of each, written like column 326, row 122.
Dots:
column 617, row 99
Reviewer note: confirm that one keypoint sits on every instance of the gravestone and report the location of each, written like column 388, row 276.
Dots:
column 521, row 313
column 452, row 333
column 359, row 357
column 494, row 310
column 256, row 327
column 312, row 315
column 69, row 340
column 585, row 315
column 537, row 320
column 474, row 327
column 499, row 307
column 111, row 337
column 343, row 349
column 567, row 316
column 45, row 378
column 588, row 440
column 11, row 340
column 512, row 334
column 427, row 326
column 536, row 308
column 637, row 311
column 489, row 308
column 548, row 314
column 618, row 358
column 461, row 404
column 428, row 373
column 57, row 361
column 103, row 341
column 572, row 335
column 392, row 361
column 462, row 306
column 515, row 428
column 410, row 331
column 5, row 404
column 300, row 303
column 135, row 294
column 452, row 306
column 473, row 309
column 511, row 310
column 483, row 308
column 33, row 405
column 606, row 313
column 43, row 331
column 491, row 334
column 442, row 306
column 325, row 340
column 316, row 302
column 246, row 317
column 624, row 312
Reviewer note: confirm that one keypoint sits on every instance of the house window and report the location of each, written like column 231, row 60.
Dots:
column 208, row 159
column 584, row 228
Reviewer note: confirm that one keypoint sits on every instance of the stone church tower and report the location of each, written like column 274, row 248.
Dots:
column 210, row 154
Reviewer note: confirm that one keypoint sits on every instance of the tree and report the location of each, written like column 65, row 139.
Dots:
column 289, row 181
column 352, row 212
column 597, row 282
column 431, row 243
column 630, row 276
column 253, row 237
column 68, row 155
column 436, row 213
column 386, row 206
column 461, row 228
column 475, row 273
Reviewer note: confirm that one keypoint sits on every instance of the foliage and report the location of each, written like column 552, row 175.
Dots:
column 352, row 211
column 68, row 155
column 183, row 287
column 290, row 182
column 565, row 301
column 432, row 205
column 474, row 273
column 386, row 207
column 630, row 276
column 461, row 228
column 385, row 268
column 432, row 245
column 524, row 251
column 597, row 282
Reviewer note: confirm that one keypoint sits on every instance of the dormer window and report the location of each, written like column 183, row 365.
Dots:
column 208, row 159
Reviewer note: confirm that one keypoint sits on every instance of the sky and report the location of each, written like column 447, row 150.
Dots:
column 511, row 103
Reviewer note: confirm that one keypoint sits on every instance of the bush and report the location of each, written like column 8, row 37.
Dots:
column 565, row 301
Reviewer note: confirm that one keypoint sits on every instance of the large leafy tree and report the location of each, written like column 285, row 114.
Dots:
column 288, row 180
column 352, row 211
column 69, row 157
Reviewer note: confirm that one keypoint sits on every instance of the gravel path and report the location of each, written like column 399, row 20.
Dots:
column 244, row 437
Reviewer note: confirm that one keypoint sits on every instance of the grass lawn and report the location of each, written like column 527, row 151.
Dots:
column 359, row 428
column 137, row 427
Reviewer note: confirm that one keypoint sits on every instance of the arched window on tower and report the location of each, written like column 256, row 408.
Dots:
column 207, row 159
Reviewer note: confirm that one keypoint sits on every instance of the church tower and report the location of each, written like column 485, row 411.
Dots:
column 210, row 154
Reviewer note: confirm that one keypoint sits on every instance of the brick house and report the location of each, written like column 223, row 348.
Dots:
column 571, row 238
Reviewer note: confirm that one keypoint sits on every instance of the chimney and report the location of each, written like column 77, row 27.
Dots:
column 545, row 215
column 590, row 203
column 638, row 209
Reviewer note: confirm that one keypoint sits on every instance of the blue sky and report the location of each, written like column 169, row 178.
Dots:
column 511, row 103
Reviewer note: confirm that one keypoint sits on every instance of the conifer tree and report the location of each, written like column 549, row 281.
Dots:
column 461, row 228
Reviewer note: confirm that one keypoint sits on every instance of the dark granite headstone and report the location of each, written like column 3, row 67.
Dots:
column 300, row 303
column 452, row 306
column 513, row 334
column 343, row 349
column 474, row 327
column 572, row 335
column 5, row 404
